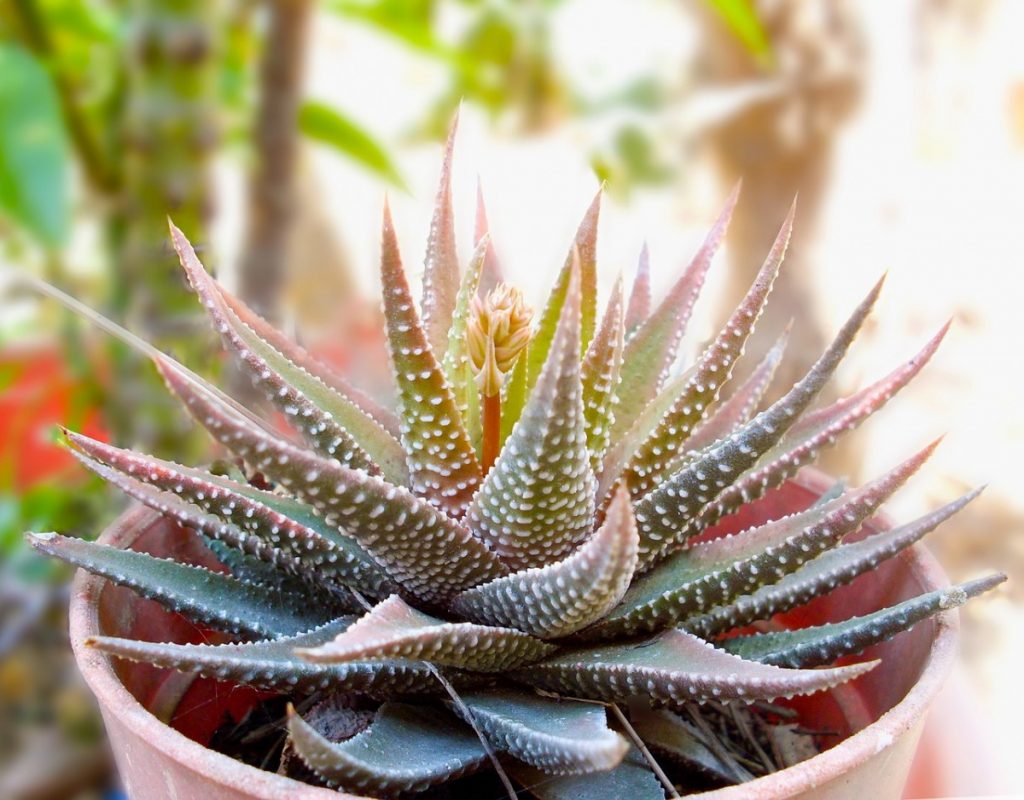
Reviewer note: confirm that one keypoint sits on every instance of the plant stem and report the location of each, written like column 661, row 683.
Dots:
column 491, row 430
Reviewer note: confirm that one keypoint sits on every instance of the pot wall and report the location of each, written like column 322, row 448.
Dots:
column 159, row 761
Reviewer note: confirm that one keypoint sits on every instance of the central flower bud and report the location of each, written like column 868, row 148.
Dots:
column 499, row 329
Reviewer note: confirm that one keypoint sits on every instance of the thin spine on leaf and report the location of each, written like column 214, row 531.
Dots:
column 665, row 515
column 537, row 502
column 209, row 598
column 558, row 736
column 600, row 375
column 652, row 348
column 302, row 358
column 441, row 265
column 675, row 667
column 739, row 408
column 584, row 247
column 309, row 405
column 272, row 665
column 394, row 630
column 823, row 644
column 713, row 573
column 651, row 462
column 492, row 273
column 820, row 576
column 427, row 552
column 561, row 598
column 269, row 532
column 442, row 462
column 406, row 749
column 806, row 440
column 639, row 307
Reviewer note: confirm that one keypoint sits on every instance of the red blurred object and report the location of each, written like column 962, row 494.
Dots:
column 40, row 391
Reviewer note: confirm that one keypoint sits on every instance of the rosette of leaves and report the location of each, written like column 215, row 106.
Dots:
column 507, row 618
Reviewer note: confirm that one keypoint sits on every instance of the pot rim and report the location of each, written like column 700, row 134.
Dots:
column 98, row 671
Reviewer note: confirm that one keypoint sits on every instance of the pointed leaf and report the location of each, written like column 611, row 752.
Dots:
column 429, row 554
column 712, row 573
column 665, row 515
column 639, row 307
column 823, row 644
column 492, row 274
column 557, row 736
column 823, row 574
column 675, row 667
column 668, row 734
column 651, row 463
column 456, row 357
column 537, row 502
column 651, row 350
column 395, row 630
column 585, row 244
column 568, row 595
column 631, row 779
column 331, row 423
column 265, row 524
column 600, row 376
column 273, row 665
column 442, row 463
column 206, row 597
column 806, row 439
column 441, row 267
column 406, row 749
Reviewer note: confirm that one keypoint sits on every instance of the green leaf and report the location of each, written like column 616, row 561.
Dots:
column 395, row 630
column 632, row 779
column 668, row 734
column 405, row 749
column 561, row 598
column 675, row 667
column 272, row 664
column 210, row 598
column 600, row 376
column 740, row 17
column 821, row 575
column 639, row 308
column 34, row 151
column 326, row 125
column 557, row 736
column 823, row 644
column 537, row 502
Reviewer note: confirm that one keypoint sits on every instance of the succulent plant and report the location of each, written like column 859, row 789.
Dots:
column 515, row 568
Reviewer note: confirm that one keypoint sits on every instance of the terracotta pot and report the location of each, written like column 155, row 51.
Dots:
column 883, row 711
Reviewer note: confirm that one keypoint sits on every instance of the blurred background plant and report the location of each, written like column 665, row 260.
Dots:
column 269, row 130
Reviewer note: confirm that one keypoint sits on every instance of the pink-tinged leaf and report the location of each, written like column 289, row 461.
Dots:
column 675, row 667
column 741, row 405
column 563, row 597
column 492, row 273
column 442, row 463
column 650, row 463
column 820, row 576
column 600, row 376
column 303, row 359
column 424, row 550
column 395, row 630
column 537, row 502
column 713, row 573
column 205, row 597
column 805, row 440
column 258, row 522
column 665, row 516
column 823, row 644
column 585, row 245
column 273, row 664
column 558, row 736
column 441, row 266
column 406, row 749
column 651, row 350
column 332, row 424
column 639, row 308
